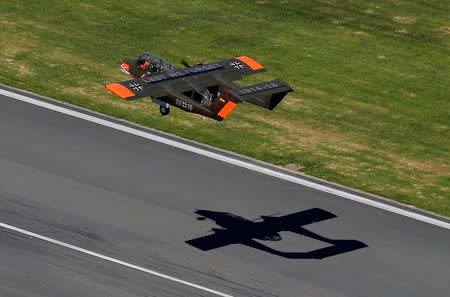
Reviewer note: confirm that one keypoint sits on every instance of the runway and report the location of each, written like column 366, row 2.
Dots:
column 133, row 199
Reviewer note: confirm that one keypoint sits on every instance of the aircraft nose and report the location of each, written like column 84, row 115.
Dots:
column 201, row 212
column 125, row 68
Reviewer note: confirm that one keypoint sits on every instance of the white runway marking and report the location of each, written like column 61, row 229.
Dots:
column 229, row 160
column 110, row 259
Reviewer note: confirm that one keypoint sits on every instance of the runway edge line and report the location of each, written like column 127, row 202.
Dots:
column 226, row 159
column 110, row 259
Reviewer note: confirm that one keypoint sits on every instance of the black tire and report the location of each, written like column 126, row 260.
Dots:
column 164, row 110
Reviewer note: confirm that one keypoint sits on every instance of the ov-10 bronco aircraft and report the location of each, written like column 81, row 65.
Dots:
column 206, row 89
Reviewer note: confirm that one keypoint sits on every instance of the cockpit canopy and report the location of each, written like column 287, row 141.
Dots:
column 156, row 62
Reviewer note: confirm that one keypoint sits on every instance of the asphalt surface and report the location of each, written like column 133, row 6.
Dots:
column 134, row 199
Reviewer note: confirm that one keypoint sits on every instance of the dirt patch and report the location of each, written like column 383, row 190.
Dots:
column 295, row 134
column 291, row 101
column 355, row 145
column 135, row 106
column 189, row 123
column 298, row 103
column 67, row 57
column 445, row 29
column 371, row 107
column 19, row 68
column 78, row 91
column 238, row 125
column 436, row 168
column 86, row 5
column 14, row 46
column 400, row 165
column 407, row 75
column 404, row 20
column 311, row 91
column 293, row 167
column 5, row 22
column 24, row 70
column 349, row 168
column 15, row 65
column 24, row 21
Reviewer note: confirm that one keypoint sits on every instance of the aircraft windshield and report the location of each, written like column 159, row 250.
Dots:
column 158, row 62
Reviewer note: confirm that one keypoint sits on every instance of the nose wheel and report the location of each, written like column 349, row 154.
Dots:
column 164, row 110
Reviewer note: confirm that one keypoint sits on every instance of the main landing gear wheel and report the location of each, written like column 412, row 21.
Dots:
column 164, row 110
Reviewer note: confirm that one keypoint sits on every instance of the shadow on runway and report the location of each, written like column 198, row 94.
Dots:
column 238, row 230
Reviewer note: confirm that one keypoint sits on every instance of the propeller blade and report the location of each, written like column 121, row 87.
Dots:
column 185, row 64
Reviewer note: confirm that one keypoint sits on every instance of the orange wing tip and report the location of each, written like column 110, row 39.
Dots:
column 250, row 62
column 120, row 90
column 225, row 111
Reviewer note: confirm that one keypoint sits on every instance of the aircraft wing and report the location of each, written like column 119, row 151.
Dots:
column 234, row 69
column 199, row 76
column 293, row 222
column 212, row 241
column 135, row 89
column 143, row 87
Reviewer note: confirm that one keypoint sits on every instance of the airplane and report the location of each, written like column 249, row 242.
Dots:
column 238, row 230
column 205, row 89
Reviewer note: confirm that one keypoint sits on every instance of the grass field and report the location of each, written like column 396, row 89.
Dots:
column 371, row 107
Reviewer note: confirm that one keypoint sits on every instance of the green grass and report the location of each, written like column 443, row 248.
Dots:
column 371, row 106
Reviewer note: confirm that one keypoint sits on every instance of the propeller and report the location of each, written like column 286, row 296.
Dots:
column 185, row 64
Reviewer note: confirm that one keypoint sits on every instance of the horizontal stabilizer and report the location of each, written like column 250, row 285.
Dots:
column 267, row 94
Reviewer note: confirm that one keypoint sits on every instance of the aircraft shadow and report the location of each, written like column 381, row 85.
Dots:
column 238, row 230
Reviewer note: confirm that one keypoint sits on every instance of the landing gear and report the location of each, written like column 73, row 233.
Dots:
column 164, row 110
